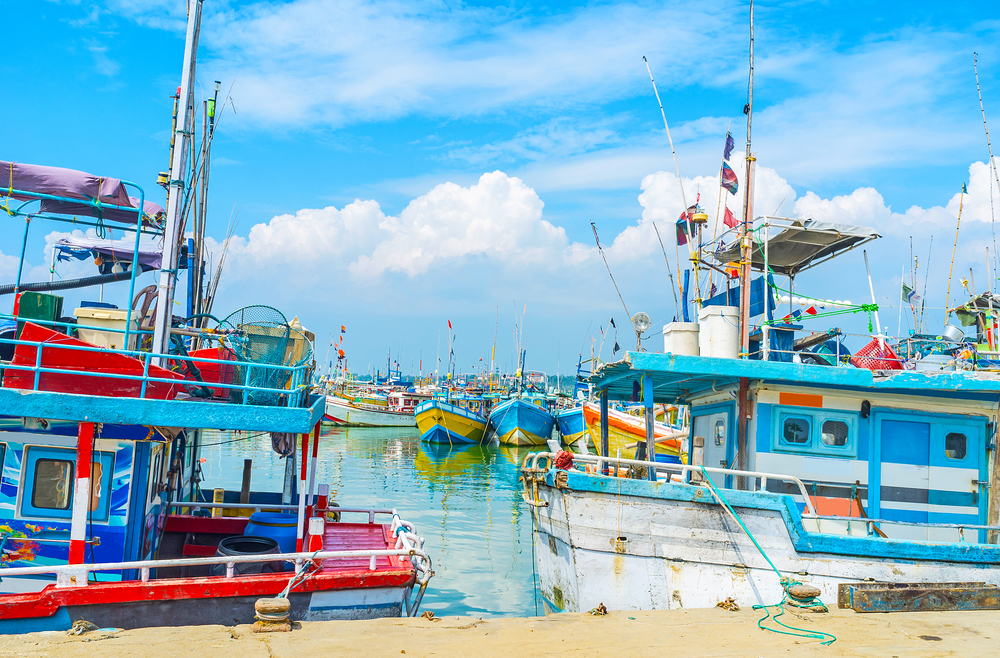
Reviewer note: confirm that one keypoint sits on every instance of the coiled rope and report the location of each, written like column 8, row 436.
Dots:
column 787, row 583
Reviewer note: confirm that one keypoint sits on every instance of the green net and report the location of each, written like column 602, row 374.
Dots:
column 262, row 335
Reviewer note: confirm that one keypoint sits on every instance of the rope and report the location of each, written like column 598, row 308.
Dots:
column 785, row 581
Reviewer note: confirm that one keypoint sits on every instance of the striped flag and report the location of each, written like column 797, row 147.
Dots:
column 909, row 295
column 728, row 179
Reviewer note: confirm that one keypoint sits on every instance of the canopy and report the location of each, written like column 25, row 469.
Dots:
column 110, row 251
column 101, row 197
column 802, row 244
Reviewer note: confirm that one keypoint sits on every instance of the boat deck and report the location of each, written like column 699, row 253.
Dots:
column 360, row 537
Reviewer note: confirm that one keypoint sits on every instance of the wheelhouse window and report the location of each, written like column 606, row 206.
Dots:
column 52, row 484
column 835, row 433
column 795, row 430
column 955, row 445
column 720, row 432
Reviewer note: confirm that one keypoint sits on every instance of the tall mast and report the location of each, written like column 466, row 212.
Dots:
column 747, row 217
column 175, row 183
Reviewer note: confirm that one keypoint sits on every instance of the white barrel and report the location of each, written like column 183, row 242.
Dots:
column 681, row 338
column 719, row 334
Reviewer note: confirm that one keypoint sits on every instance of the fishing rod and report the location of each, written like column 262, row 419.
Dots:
column 923, row 302
column 673, row 284
column 680, row 181
column 947, row 295
column 601, row 251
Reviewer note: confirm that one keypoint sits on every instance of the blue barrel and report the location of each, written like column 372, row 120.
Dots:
column 282, row 528
column 667, row 459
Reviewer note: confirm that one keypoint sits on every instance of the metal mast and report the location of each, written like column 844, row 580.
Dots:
column 175, row 198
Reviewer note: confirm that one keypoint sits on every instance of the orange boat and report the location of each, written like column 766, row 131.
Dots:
column 625, row 430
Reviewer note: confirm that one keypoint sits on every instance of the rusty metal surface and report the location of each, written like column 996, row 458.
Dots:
column 924, row 597
column 844, row 589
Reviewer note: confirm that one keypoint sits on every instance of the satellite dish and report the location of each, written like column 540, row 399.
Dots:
column 641, row 322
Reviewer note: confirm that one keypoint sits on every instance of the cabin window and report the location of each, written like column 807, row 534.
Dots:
column 720, row 432
column 955, row 444
column 795, row 430
column 835, row 433
column 53, row 484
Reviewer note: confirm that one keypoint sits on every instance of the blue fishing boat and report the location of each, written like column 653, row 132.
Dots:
column 522, row 421
column 572, row 426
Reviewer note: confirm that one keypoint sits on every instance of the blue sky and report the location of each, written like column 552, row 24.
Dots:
column 397, row 164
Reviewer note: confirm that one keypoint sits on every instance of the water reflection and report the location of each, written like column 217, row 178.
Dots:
column 464, row 500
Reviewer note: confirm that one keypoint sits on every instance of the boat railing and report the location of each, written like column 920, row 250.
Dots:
column 257, row 507
column 294, row 393
column 872, row 524
column 690, row 473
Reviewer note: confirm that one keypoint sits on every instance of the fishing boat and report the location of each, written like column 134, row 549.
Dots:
column 457, row 420
column 571, row 424
column 522, row 421
column 105, row 514
column 626, row 432
column 398, row 410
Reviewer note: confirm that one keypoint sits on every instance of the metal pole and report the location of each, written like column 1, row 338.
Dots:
column 178, row 169
column 81, row 493
column 312, row 468
column 647, row 400
column 604, row 429
column 300, row 527
column 765, row 328
column 871, row 289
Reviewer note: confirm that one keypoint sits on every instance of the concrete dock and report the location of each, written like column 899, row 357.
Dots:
column 687, row 633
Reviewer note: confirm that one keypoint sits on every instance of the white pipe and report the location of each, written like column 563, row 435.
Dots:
column 871, row 288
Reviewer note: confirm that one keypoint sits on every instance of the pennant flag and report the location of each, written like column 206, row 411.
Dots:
column 729, row 219
column 728, row 179
column 965, row 190
column 449, row 324
column 909, row 295
column 730, row 144
column 613, row 323
column 682, row 231
column 343, row 329
column 812, row 310
column 616, row 348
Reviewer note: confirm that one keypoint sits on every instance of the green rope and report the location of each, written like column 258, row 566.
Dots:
column 786, row 583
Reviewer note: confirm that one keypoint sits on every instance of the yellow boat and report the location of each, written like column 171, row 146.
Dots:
column 443, row 422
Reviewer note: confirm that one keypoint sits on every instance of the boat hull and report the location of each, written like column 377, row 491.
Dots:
column 637, row 545
column 520, row 423
column 624, row 430
column 341, row 412
column 441, row 422
column 572, row 426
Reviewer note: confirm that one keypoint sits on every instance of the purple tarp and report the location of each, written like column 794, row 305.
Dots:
column 150, row 255
column 57, row 181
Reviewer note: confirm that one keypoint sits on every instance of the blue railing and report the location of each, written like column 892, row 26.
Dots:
column 294, row 393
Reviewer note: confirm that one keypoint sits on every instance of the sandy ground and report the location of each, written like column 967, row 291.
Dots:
column 687, row 633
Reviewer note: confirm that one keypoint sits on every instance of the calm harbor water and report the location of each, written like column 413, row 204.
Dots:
column 465, row 501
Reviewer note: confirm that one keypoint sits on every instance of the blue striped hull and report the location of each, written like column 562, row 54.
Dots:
column 517, row 422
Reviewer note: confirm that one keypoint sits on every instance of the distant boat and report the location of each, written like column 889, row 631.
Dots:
column 447, row 422
column 571, row 424
column 625, row 430
column 398, row 412
column 522, row 421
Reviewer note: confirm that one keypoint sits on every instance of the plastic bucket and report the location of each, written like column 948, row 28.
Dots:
column 243, row 545
column 282, row 528
column 720, row 331
column 681, row 338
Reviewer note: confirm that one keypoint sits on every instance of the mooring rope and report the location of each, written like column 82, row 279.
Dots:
column 785, row 581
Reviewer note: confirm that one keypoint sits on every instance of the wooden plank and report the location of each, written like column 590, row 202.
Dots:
column 925, row 599
column 844, row 589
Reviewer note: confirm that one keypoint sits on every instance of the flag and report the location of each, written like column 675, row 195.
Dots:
column 343, row 329
column 682, row 231
column 730, row 144
column 613, row 323
column 728, row 179
column 616, row 348
column 729, row 219
column 449, row 324
column 909, row 295
column 965, row 190
column 812, row 310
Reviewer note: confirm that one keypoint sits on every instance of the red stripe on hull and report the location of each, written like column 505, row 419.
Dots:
column 50, row 599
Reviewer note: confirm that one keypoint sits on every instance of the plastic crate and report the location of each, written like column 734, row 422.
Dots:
column 877, row 355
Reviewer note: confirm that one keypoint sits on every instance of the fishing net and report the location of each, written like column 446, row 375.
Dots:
column 262, row 335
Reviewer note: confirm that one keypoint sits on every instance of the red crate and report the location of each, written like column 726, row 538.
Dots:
column 877, row 355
